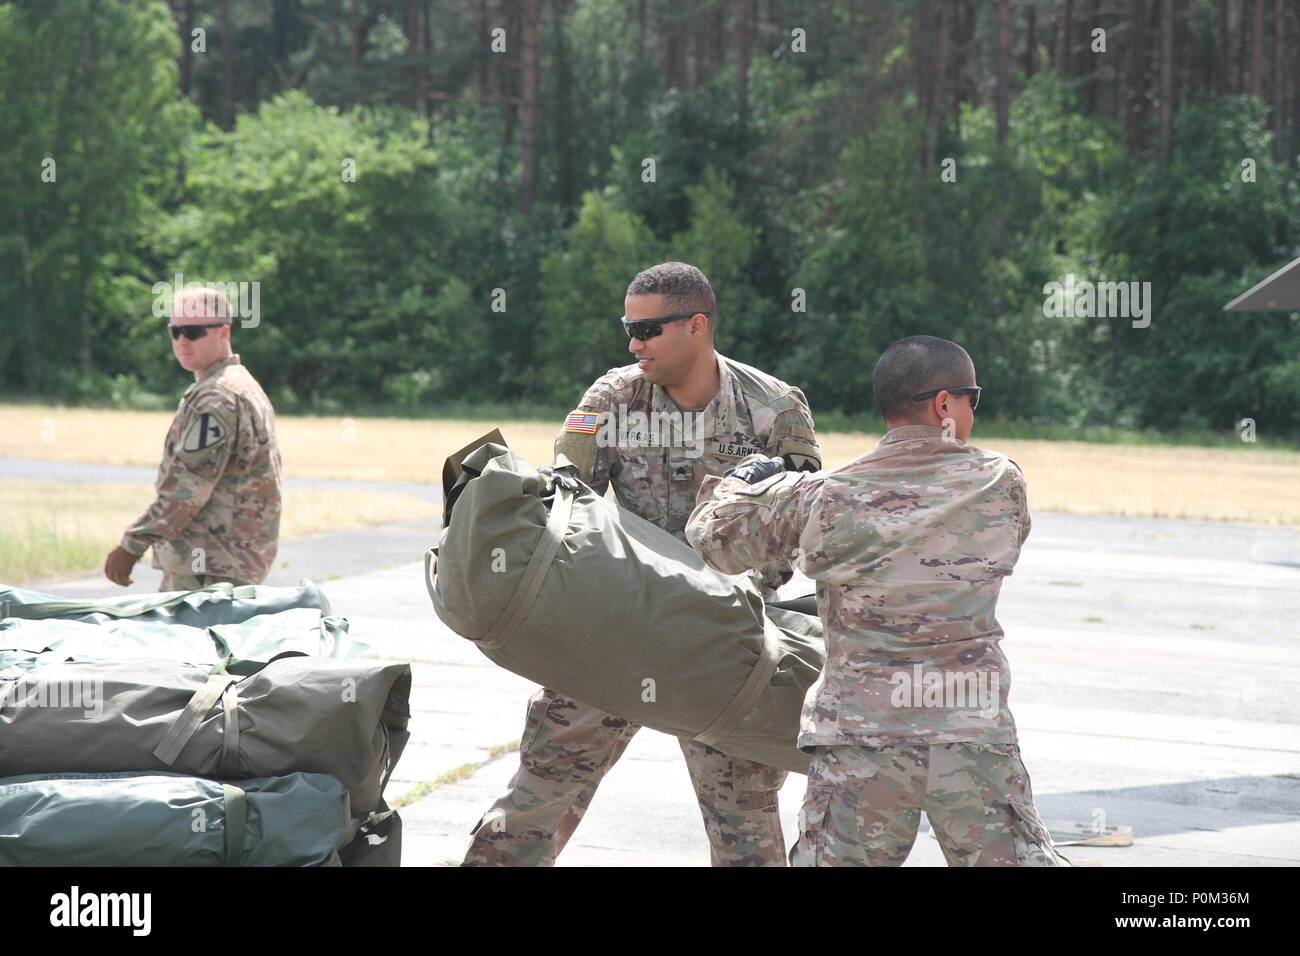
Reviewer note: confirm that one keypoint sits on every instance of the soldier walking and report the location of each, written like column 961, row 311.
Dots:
column 216, row 516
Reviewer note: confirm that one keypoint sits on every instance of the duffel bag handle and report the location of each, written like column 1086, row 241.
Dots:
column 187, row 722
column 530, row 582
column 235, row 826
column 222, row 685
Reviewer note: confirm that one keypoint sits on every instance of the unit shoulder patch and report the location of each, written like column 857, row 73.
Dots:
column 795, row 462
column 206, row 431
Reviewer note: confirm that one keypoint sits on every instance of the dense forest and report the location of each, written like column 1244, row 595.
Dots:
column 444, row 200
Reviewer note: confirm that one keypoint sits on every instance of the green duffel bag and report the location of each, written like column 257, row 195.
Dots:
column 26, row 641
column 207, row 625
column 216, row 604
column 344, row 718
column 169, row 819
column 560, row 585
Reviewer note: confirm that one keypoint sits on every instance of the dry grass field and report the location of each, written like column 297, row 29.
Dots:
column 61, row 528
column 1244, row 484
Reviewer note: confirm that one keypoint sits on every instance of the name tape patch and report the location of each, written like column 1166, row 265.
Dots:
column 730, row 449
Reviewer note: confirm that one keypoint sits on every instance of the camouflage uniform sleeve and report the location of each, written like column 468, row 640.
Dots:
column 584, row 449
column 1022, row 492
column 793, row 439
column 736, row 527
column 189, row 474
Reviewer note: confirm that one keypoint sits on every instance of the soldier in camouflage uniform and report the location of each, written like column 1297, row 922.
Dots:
column 908, row 545
column 655, row 431
column 217, row 512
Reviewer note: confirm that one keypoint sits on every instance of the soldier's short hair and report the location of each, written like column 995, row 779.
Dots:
column 684, row 288
column 916, row 365
column 203, row 301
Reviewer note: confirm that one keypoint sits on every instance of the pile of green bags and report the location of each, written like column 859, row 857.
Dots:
column 224, row 726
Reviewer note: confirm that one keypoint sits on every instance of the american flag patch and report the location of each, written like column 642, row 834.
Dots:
column 582, row 422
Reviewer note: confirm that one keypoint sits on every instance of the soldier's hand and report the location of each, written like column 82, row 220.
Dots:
column 118, row 565
column 756, row 468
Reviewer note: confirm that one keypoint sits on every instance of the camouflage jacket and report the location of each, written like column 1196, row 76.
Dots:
column 628, row 432
column 218, row 505
column 908, row 545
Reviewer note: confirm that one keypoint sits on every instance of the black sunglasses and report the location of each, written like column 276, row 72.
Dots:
column 193, row 332
column 972, row 390
column 648, row 328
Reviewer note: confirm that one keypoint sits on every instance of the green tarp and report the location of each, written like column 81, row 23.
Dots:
column 167, row 819
column 250, row 623
column 215, row 604
column 561, row 586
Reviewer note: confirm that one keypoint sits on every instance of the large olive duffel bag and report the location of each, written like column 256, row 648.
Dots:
column 557, row 584
column 168, row 819
column 346, row 718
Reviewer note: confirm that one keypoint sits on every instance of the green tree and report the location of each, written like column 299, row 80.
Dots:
column 1201, row 232
column 355, row 241
column 91, row 131
column 582, row 288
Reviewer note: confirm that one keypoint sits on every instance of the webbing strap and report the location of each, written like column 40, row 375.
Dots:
column 47, row 609
column 236, row 803
column 226, row 766
column 430, row 569
column 749, row 692
column 530, row 582
column 187, row 721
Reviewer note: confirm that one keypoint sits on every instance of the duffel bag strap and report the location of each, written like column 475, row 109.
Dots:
column 230, row 731
column 530, row 582
column 430, row 572
column 236, row 805
column 748, row 694
column 187, row 722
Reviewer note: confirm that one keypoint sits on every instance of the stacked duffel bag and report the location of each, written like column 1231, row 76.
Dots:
column 228, row 726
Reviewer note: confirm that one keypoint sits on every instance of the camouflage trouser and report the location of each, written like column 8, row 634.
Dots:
column 183, row 581
column 566, row 749
column 863, row 807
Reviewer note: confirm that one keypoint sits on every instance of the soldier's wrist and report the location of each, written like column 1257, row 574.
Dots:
column 133, row 546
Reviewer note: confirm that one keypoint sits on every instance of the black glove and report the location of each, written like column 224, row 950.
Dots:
column 755, row 468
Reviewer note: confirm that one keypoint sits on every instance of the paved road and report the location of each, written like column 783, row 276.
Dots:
column 1157, row 684
column 35, row 470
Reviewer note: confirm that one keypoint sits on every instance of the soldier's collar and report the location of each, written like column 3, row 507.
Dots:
column 719, row 414
column 216, row 367
column 911, row 432
column 728, row 390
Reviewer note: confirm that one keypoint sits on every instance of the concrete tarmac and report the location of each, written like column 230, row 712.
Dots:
column 1156, row 685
